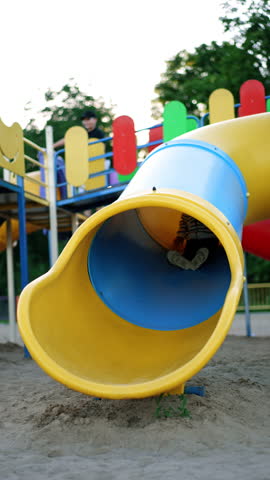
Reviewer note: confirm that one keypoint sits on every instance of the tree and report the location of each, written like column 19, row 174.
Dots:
column 249, row 23
column 257, row 269
column 63, row 110
column 191, row 77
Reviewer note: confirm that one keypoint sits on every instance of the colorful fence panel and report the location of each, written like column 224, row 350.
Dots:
column 124, row 145
column 252, row 98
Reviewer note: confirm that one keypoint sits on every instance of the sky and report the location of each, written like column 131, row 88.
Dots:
column 114, row 49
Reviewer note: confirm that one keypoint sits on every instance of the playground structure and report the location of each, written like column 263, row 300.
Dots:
column 112, row 318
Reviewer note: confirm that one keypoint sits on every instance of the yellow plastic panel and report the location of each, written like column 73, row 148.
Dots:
column 247, row 141
column 76, row 156
column 161, row 224
column 96, row 165
column 12, row 148
column 221, row 105
column 15, row 232
column 34, row 187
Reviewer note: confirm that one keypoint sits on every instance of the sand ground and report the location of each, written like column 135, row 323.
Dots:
column 49, row 431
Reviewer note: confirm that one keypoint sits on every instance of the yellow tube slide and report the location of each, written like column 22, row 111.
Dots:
column 30, row 228
column 112, row 318
column 247, row 141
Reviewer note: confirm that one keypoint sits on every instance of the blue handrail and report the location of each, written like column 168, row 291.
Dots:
column 200, row 123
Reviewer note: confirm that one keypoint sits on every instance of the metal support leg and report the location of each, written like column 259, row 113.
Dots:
column 246, row 301
column 74, row 222
column 11, row 287
column 23, row 243
column 23, row 236
column 53, row 242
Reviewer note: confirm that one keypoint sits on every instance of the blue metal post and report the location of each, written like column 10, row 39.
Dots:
column 23, row 242
column 23, row 235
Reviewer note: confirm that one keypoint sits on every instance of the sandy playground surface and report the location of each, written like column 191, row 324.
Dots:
column 50, row 432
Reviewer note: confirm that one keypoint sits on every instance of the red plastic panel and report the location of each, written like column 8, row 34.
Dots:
column 154, row 135
column 124, row 145
column 256, row 239
column 252, row 98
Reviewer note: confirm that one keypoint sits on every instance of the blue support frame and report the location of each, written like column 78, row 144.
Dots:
column 23, row 235
column 19, row 189
column 95, row 196
column 23, row 242
column 10, row 186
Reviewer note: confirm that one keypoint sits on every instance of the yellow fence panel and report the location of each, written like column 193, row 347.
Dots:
column 259, row 297
column 12, row 148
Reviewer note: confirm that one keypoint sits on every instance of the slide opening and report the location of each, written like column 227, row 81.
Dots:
column 129, row 270
column 130, row 338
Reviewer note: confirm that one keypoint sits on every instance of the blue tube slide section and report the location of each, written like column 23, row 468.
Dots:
column 128, row 267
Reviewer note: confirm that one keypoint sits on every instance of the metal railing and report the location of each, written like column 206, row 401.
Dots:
column 38, row 177
column 141, row 148
column 259, row 297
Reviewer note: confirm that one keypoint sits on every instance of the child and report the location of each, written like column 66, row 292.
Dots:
column 195, row 241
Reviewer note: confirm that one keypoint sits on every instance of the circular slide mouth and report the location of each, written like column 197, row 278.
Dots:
column 125, row 334
column 130, row 272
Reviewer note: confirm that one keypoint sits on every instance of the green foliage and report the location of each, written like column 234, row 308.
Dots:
column 249, row 22
column 38, row 259
column 191, row 77
column 167, row 409
column 258, row 269
column 3, row 280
